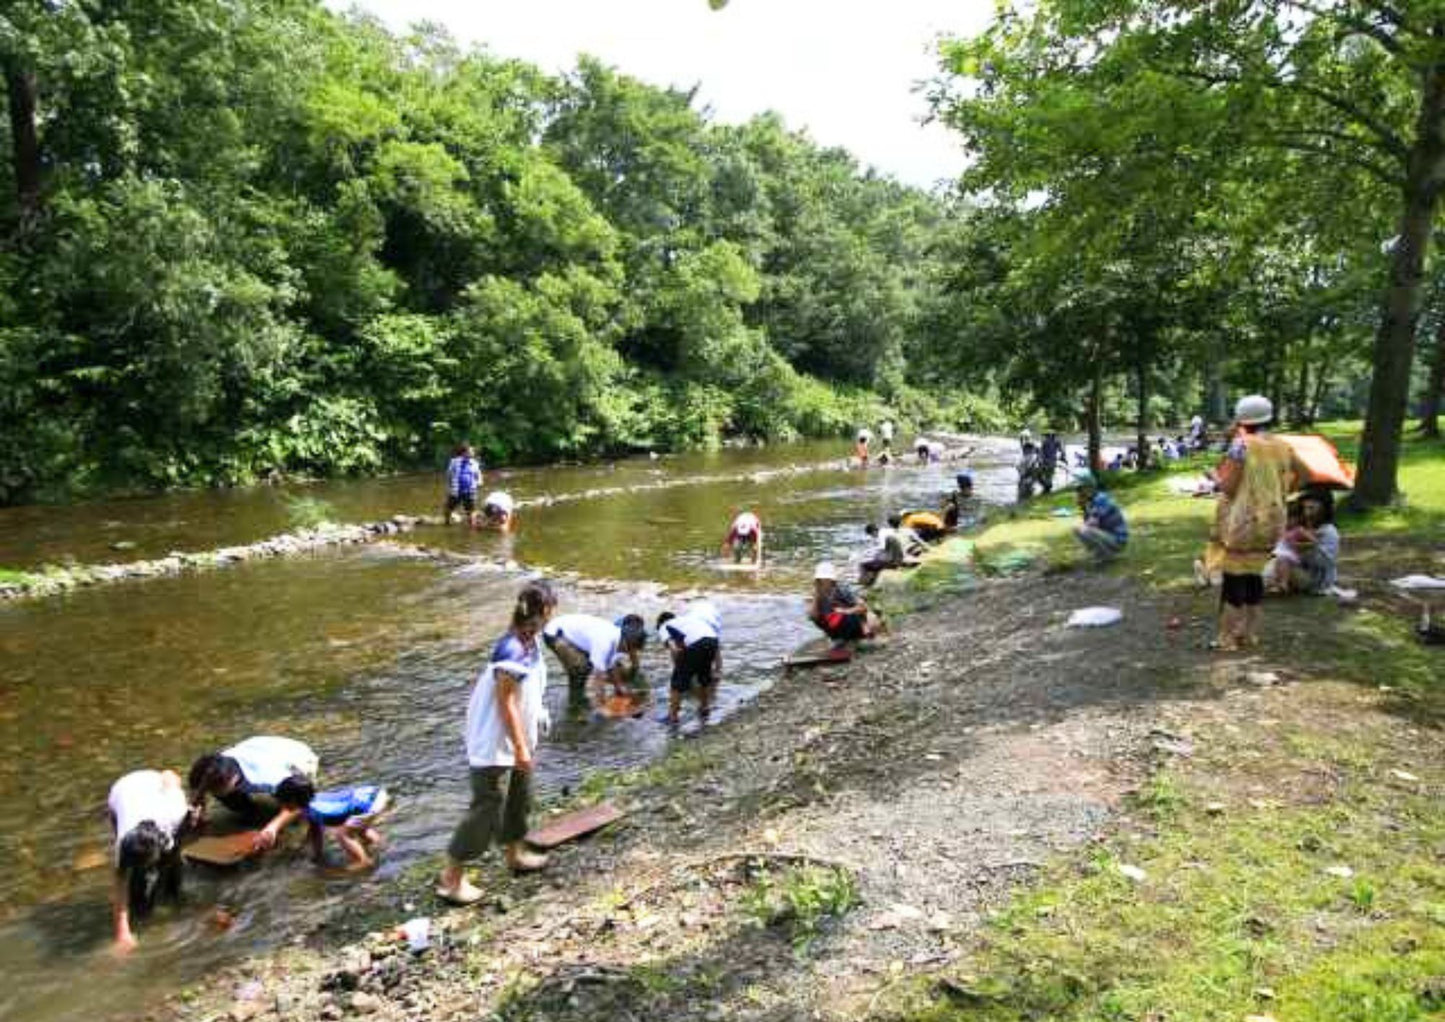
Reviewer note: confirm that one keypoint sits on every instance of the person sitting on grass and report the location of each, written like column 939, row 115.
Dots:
column 1307, row 558
column 842, row 615
column 1104, row 532
column 148, row 814
column 695, row 642
column 349, row 815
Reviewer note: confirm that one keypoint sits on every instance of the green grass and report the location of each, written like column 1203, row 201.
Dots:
column 1237, row 914
column 800, row 899
column 9, row 575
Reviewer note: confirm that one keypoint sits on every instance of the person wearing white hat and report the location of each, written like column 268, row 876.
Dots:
column 841, row 613
column 745, row 535
column 1255, row 479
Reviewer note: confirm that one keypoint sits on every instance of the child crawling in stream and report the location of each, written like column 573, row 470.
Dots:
column 349, row 816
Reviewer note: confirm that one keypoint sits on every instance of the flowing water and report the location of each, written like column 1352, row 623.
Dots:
column 366, row 653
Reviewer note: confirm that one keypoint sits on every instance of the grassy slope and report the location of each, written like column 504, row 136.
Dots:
column 1237, row 916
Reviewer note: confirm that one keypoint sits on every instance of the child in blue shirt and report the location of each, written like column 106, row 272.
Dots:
column 1104, row 532
column 349, row 815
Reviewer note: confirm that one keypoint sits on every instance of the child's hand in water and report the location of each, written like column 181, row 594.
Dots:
column 264, row 840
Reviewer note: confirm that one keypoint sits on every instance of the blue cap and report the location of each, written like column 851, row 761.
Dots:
column 964, row 477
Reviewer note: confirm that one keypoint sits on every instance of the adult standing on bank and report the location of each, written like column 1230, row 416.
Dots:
column 505, row 716
column 1255, row 477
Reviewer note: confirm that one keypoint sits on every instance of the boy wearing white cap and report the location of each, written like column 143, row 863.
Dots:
column 746, row 531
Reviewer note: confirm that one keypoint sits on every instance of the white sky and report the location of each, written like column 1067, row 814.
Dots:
column 843, row 69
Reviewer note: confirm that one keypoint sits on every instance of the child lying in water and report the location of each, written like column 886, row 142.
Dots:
column 348, row 815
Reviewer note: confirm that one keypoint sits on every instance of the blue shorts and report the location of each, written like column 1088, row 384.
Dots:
column 348, row 807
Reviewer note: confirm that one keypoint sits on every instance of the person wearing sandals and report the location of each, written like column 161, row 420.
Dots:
column 505, row 715
column 1254, row 477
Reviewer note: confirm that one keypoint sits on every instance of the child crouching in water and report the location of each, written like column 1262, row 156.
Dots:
column 349, row 815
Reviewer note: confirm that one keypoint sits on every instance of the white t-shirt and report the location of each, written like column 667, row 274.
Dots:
column 886, row 430
column 865, row 435
column 499, row 499
column 145, row 795
column 488, row 744
column 599, row 638
column 746, row 524
column 700, row 622
column 267, row 760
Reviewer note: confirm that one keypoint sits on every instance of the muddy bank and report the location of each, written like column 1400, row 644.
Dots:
column 932, row 775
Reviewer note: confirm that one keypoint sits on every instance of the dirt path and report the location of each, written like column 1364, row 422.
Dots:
column 912, row 789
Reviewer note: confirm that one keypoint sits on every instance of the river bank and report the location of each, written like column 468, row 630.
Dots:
column 992, row 817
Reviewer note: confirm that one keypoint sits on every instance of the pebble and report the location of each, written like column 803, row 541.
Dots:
column 363, row 1003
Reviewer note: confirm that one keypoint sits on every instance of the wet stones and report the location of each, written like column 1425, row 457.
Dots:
column 56, row 580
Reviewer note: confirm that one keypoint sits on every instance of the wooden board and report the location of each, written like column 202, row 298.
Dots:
column 570, row 826
column 817, row 654
column 735, row 566
column 221, row 849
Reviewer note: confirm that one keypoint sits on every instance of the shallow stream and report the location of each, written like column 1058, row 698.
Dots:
column 366, row 653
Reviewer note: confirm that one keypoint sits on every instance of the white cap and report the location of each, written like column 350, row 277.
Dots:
column 825, row 572
column 1253, row 410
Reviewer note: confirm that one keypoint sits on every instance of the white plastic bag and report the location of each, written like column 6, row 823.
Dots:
column 1095, row 617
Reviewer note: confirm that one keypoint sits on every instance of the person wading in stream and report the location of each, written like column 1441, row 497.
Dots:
column 505, row 716
column 593, row 647
column 148, row 812
column 265, row 778
column 745, row 536
column 464, row 478
column 695, row 642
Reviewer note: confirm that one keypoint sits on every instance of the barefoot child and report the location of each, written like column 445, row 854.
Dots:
column 349, row 815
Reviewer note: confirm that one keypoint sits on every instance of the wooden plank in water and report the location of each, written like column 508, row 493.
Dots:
column 736, row 566
column 221, row 849
column 570, row 826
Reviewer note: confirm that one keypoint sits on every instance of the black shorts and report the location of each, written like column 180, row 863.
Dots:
column 843, row 627
column 466, row 501
column 1242, row 590
column 694, row 664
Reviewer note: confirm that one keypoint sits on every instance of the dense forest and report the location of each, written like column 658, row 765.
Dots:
column 255, row 236
column 247, row 237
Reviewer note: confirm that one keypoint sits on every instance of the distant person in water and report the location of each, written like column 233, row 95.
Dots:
column 349, row 816
column 961, row 507
column 499, row 511
column 464, row 478
column 506, row 715
column 927, row 525
column 860, row 447
column 694, row 641
column 841, row 613
column 885, row 434
column 265, row 778
column 148, row 815
column 590, row 647
column 745, row 537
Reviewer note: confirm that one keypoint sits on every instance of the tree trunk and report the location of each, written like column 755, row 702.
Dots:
column 1322, row 382
column 1434, row 386
column 1377, row 481
column 1096, row 442
column 20, row 92
column 1141, row 436
column 1299, row 400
